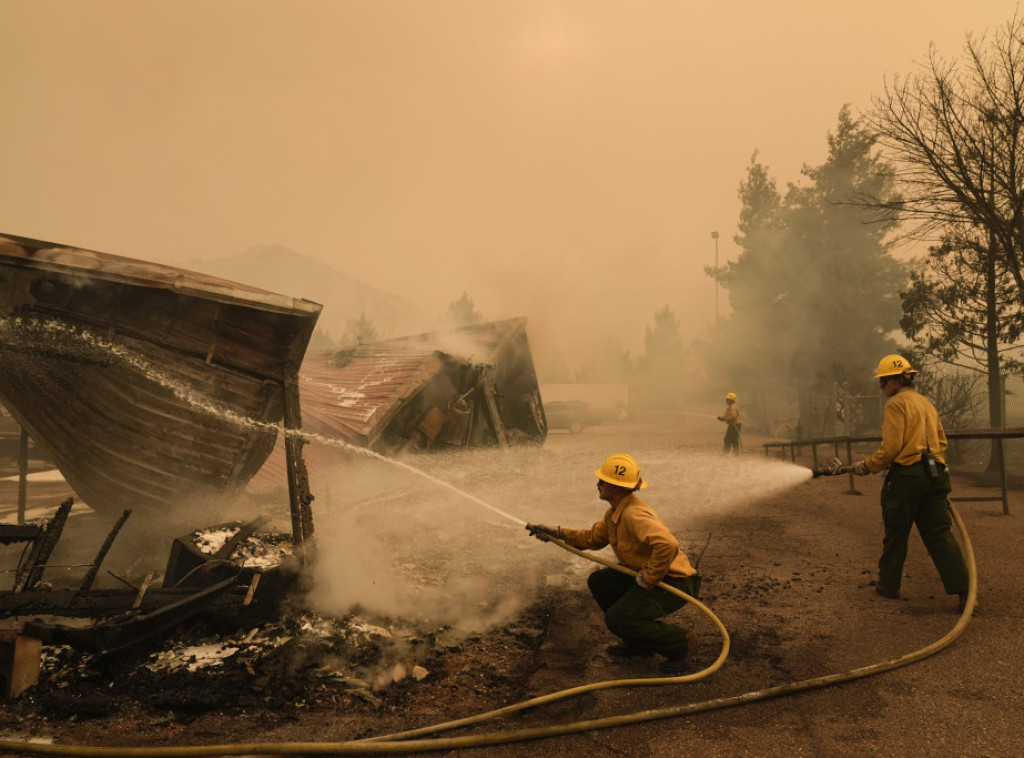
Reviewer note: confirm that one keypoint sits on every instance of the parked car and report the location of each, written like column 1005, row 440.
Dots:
column 574, row 415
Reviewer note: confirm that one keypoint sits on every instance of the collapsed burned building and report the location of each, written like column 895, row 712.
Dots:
column 466, row 387
column 147, row 385
column 473, row 386
column 151, row 387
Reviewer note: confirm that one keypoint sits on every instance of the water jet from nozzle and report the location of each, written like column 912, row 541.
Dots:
column 371, row 454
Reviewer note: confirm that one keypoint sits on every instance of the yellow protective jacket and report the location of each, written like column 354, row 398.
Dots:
column 909, row 422
column 731, row 414
column 640, row 539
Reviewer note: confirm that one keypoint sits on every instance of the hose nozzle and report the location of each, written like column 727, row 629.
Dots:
column 834, row 467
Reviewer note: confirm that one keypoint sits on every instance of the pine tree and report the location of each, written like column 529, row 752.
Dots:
column 463, row 312
column 814, row 291
column 660, row 370
column 359, row 331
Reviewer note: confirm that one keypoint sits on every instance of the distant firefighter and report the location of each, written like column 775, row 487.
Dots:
column 731, row 417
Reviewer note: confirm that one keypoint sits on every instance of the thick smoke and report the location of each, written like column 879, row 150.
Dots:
column 396, row 544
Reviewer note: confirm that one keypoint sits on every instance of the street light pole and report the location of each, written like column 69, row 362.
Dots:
column 714, row 236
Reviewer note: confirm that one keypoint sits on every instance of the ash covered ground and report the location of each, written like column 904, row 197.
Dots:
column 429, row 607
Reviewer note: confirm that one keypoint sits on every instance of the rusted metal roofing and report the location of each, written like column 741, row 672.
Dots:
column 150, row 386
column 473, row 386
column 350, row 402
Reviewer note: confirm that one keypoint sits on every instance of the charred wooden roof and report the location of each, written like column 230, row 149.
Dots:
column 150, row 386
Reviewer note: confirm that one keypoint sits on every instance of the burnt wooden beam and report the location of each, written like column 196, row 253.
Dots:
column 90, row 575
column 72, row 603
column 142, row 591
column 118, row 633
column 229, row 547
column 298, row 478
column 491, row 402
column 252, row 588
column 22, row 474
column 12, row 533
column 32, row 572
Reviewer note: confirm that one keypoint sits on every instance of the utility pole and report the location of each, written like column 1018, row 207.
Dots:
column 714, row 236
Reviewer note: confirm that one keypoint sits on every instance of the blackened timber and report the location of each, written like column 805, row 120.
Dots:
column 246, row 531
column 42, row 548
column 142, row 591
column 12, row 533
column 106, row 603
column 22, row 474
column 299, row 496
column 115, row 634
column 90, row 576
column 252, row 588
column 487, row 387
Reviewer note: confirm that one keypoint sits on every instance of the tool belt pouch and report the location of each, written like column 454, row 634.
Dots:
column 931, row 468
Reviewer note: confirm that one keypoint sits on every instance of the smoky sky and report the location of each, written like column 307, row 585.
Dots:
column 564, row 161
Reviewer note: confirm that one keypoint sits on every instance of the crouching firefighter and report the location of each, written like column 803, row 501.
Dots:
column 633, row 606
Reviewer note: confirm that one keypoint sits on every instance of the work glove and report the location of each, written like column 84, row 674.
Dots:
column 861, row 468
column 544, row 533
column 643, row 582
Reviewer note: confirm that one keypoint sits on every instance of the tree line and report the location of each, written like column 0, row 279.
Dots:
column 817, row 295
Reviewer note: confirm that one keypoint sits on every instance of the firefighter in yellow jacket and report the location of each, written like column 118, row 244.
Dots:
column 642, row 542
column 916, row 488
column 731, row 416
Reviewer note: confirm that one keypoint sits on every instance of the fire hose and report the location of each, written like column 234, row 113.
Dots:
column 396, row 743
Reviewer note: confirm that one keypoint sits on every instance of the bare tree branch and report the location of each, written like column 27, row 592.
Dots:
column 955, row 133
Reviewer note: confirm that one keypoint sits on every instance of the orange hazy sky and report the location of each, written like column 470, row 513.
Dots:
column 567, row 161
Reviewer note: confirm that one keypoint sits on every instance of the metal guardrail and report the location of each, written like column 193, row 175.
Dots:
column 996, row 435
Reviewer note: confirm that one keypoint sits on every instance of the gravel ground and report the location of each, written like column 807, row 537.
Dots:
column 788, row 569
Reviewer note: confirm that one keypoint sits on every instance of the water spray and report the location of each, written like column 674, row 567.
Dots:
column 371, row 454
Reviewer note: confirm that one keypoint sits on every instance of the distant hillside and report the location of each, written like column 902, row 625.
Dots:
column 278, row 269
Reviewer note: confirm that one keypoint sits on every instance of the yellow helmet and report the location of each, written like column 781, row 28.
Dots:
column 731, row 396
column 622, row 471
column 894, row 365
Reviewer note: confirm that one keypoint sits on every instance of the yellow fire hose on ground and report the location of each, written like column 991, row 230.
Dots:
column 561, row 695
column 396, row 743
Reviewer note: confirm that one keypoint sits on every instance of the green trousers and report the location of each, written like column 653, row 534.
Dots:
column 732, row 438
column 632, row 613
column 909, row 497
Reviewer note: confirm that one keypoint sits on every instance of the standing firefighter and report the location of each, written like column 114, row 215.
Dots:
column 642, row 542
column 916, row 488
column 731, row 417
